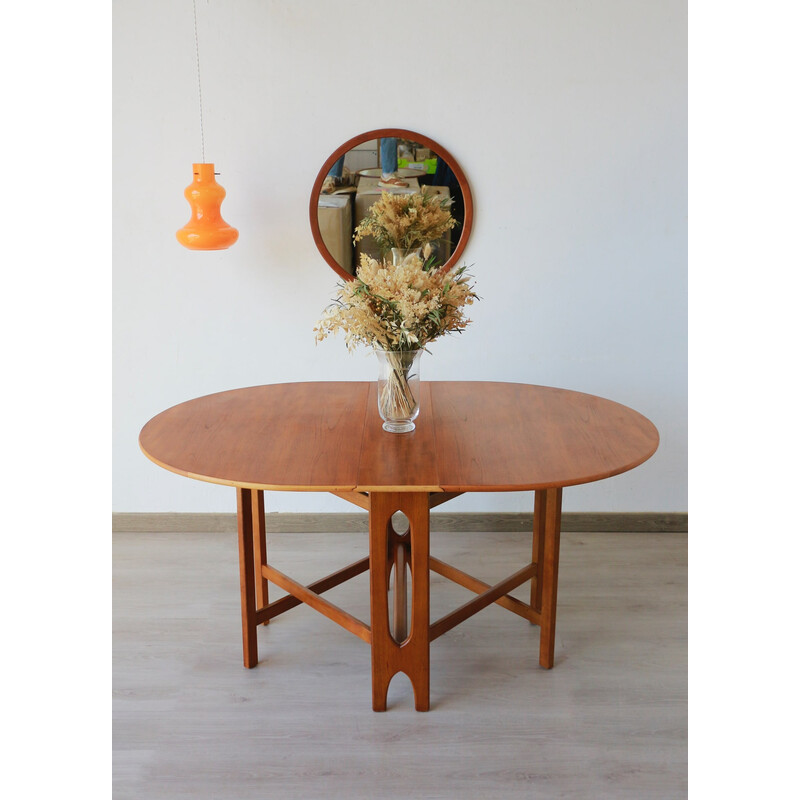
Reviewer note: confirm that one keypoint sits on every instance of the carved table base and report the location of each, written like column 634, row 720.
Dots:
column 400, row 640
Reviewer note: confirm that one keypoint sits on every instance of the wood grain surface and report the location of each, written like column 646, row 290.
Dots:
column 470, row 436
column 290, row 436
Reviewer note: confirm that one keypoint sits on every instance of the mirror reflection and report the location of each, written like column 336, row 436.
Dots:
column 412, row 170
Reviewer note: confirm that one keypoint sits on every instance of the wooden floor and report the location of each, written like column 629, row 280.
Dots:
column 609, row 721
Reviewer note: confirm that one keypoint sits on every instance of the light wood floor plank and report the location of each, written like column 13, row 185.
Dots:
column 609, row 721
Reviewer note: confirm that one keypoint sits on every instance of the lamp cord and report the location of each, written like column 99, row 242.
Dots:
column 199, row 89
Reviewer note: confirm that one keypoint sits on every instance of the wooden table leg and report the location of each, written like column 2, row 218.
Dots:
column 544, row 591
column 247, row 578
column 260, row 549
column 412, row 656
column 400, row 598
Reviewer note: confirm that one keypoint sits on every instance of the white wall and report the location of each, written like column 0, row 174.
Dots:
column 570, row 122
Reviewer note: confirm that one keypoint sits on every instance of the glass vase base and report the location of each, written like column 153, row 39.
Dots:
column 398, row 389
column 398, row 427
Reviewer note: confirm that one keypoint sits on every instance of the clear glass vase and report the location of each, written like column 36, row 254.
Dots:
column 401, row 254
column 398, row 389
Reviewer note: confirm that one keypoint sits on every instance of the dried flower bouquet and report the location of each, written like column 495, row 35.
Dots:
column 406, row 220
column 399, row 309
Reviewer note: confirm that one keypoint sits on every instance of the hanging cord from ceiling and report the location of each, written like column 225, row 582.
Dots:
column 199, row 88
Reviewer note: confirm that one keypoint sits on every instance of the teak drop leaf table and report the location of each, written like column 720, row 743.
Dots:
column 469, row 437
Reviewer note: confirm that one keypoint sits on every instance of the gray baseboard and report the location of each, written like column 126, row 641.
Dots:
column 629, row 522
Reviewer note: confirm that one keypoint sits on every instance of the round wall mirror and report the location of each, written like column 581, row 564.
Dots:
column 390, row 160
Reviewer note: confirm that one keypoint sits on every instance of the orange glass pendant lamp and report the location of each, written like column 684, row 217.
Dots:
column 206, row 230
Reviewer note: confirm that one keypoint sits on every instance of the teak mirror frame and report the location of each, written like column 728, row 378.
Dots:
column 381, row 133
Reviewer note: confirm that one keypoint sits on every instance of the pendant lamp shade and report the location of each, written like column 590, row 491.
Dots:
column 206, row 230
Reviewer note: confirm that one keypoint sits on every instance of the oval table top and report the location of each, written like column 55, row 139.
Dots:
column 470, row 436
